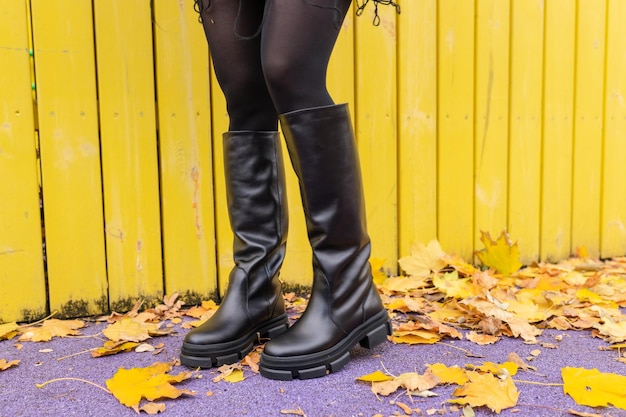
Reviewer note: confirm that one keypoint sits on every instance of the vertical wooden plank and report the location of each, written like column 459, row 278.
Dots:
column 222, row 225
column 184, row 122
column 588, row 124
column 492, row 117
column 558, row 97
column 123, row 31
column 376, row 128
column 417, row 129
column 525, row 125
column 456, row 126
column 21, row 251
column 70, row 156
column 613, row 185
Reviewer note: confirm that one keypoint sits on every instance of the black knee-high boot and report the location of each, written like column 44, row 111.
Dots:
column 345, row 307
column 257, row 207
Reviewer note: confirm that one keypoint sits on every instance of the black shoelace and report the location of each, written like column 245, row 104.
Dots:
column 360, row 6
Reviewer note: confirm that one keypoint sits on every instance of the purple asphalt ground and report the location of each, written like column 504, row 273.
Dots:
column 337, row 394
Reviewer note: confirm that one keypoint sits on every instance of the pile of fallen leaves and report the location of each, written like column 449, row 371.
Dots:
column 438, row 296
column 442, row 296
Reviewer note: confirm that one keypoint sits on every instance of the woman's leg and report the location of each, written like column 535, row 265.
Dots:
column 296, row 43
column 345, row 307
column 237, row 62
column 255, row 192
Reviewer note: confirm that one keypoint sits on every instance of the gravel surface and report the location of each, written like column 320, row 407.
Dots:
column 337, row 394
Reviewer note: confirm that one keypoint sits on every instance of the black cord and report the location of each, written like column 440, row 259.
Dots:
column 362, row 3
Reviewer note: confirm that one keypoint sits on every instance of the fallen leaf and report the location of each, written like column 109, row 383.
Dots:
column 581, row 414
column 296, row 412
column 153, row 408
column 487, row 390
column 501, row 254
column 423, row 259
column 51, row 328
column 481, row 339
column 129, row 386
column 453, row 286
column 4, row 364
column 594, row 388
column 230, row 373
column 377, row 376
column 407, row 410
column 8, row 330
column 517, row 359
column 145, row 347
column 130, row 330
column 378, row 274
column 449, row 375
column 415, row 337
column 111, row 347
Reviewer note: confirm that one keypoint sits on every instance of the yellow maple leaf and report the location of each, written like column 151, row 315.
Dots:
column 487, row 390
column 129, row 386
column 423, row 259
column 594, row 388
column 449, row 375
column 51, row 328
column 377, row 270
column 453, row 286
column 501, row 255
column 4, row 364
column 8, row 330
column 129, row 330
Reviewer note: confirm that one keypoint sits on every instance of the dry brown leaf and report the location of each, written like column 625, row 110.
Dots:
column 481, row 339
column 153, row 408
column 297, row 412
column 582, row 414
column 517, row 359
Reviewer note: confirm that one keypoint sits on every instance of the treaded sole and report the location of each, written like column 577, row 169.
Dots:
column 318, row 364
column 210, row 356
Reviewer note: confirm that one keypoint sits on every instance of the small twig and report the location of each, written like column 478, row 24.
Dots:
column 386, row 370
column 467, row 352
column 54, row 313
column 545, row 384
column 559, row 410
column 76, row 354
column 73, row 379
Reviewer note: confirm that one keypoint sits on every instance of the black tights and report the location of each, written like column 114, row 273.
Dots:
column 271, row 56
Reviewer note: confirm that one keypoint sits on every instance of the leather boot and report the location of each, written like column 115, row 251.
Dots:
column 345, row 308
column 253, row 306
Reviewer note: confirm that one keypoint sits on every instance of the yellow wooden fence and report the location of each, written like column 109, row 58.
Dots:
column 470, row 115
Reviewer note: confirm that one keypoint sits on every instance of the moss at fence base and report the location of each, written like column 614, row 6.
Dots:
column 193, row 298
column 82, row 308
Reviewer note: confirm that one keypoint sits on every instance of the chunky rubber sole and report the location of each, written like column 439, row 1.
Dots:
column 371, row 333
column 210, row 356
